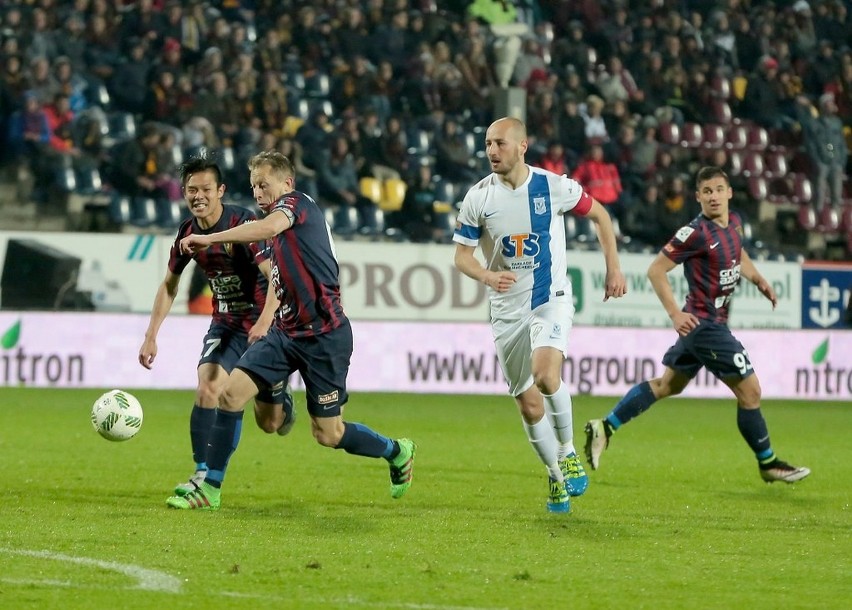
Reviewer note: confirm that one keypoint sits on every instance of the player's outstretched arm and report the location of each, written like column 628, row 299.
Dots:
column 269, row 226
column 616, row 284
column 163, row 302
column 749, row 271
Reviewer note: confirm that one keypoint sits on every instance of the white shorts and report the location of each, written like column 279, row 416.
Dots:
column 547, row 326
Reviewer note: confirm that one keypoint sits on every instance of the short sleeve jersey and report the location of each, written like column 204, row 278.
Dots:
column 711, row 257
column 239, row 288
column 305, row 272
column 522, row 231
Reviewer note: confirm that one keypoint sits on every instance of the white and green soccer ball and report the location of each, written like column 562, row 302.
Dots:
column 117, row 415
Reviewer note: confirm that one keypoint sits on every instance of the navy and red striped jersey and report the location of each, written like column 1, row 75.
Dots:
column 711, row 257
column 305, row 273
column 239, row 288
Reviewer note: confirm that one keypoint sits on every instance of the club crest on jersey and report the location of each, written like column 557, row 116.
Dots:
column 539, row 205
column 229, row 248
column 683, row 234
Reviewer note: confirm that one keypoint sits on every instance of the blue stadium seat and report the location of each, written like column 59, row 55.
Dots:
column 345, row 220
column 371, row 221
column 119, row 209
column 169, row 213
column 88, row 181
column 122, row 125
column 143, row 211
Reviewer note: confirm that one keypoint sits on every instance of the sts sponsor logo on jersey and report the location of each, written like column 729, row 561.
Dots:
column 520, row 249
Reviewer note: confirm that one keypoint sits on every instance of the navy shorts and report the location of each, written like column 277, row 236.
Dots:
column 713, row 346
column 225, row 346
column 322, row 361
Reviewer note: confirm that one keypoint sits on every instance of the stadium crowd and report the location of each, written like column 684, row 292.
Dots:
column 382, row 105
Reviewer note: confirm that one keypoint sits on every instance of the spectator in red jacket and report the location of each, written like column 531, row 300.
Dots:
column 600, row 179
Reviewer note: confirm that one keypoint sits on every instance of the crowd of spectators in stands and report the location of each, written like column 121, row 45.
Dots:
column 403, row 89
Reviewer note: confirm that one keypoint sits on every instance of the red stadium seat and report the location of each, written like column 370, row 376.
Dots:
column 846, row 219
column 721, row 111
column 758, row 188
column 828, row 220
column 691, row 135
column 736, row 138
column 714, row 137
column 802, row 189
column 807, row 218
column 735, row 163
column 720, row 87
column 775, row 165
column 758, row 138
column 753, row 164
column 669, row 133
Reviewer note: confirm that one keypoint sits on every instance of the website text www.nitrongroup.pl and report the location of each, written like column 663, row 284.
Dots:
column 583, row 374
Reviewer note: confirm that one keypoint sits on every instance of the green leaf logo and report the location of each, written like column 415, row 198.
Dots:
column 11, row 336
column 820, row 353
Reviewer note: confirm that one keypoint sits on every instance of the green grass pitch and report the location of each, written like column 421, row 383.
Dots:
column 677, row 517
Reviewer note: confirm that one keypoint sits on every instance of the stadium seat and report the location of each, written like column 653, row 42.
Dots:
column 828, row 220
column 371, row 221
column 758, row 188
column 691, row 135
column 739, row 84
column 721, row 112
column 775, row 165
column 66, row 179
column 714, row 137
column 807, row 218
column 753, row 164
column 757, row 138
column 97, row 95
column 669, row 133
column 169, row 213
column 735, row 163
column 445, row 221
column 846, row 219
column 393, row 194
column 143, row 211
column 321, row 105
column 720, row 87
column 371, row 188
column 736, row 138
column 446, row 191
column 122, row 125
column 88, row 181
column 420, row 141
column 802, row 189
column 119, row 209
column 317, row 85
column 345, row 220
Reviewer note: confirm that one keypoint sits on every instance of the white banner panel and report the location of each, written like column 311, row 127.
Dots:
column 100, row 351
column 384, row 281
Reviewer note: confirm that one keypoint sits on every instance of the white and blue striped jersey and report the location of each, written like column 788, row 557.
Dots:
column 522, row 231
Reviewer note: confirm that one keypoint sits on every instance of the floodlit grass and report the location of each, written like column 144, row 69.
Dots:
column 677, row 517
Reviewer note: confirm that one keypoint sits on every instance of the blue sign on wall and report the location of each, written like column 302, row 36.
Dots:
column 825, row 294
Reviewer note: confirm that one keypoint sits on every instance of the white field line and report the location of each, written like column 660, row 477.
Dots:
column 149, row 580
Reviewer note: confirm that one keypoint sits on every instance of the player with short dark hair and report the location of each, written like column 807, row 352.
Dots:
column 711, row 251
column 311, row 333
column 237, row 276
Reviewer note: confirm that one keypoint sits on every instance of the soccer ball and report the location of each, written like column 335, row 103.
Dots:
column 117, row 415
